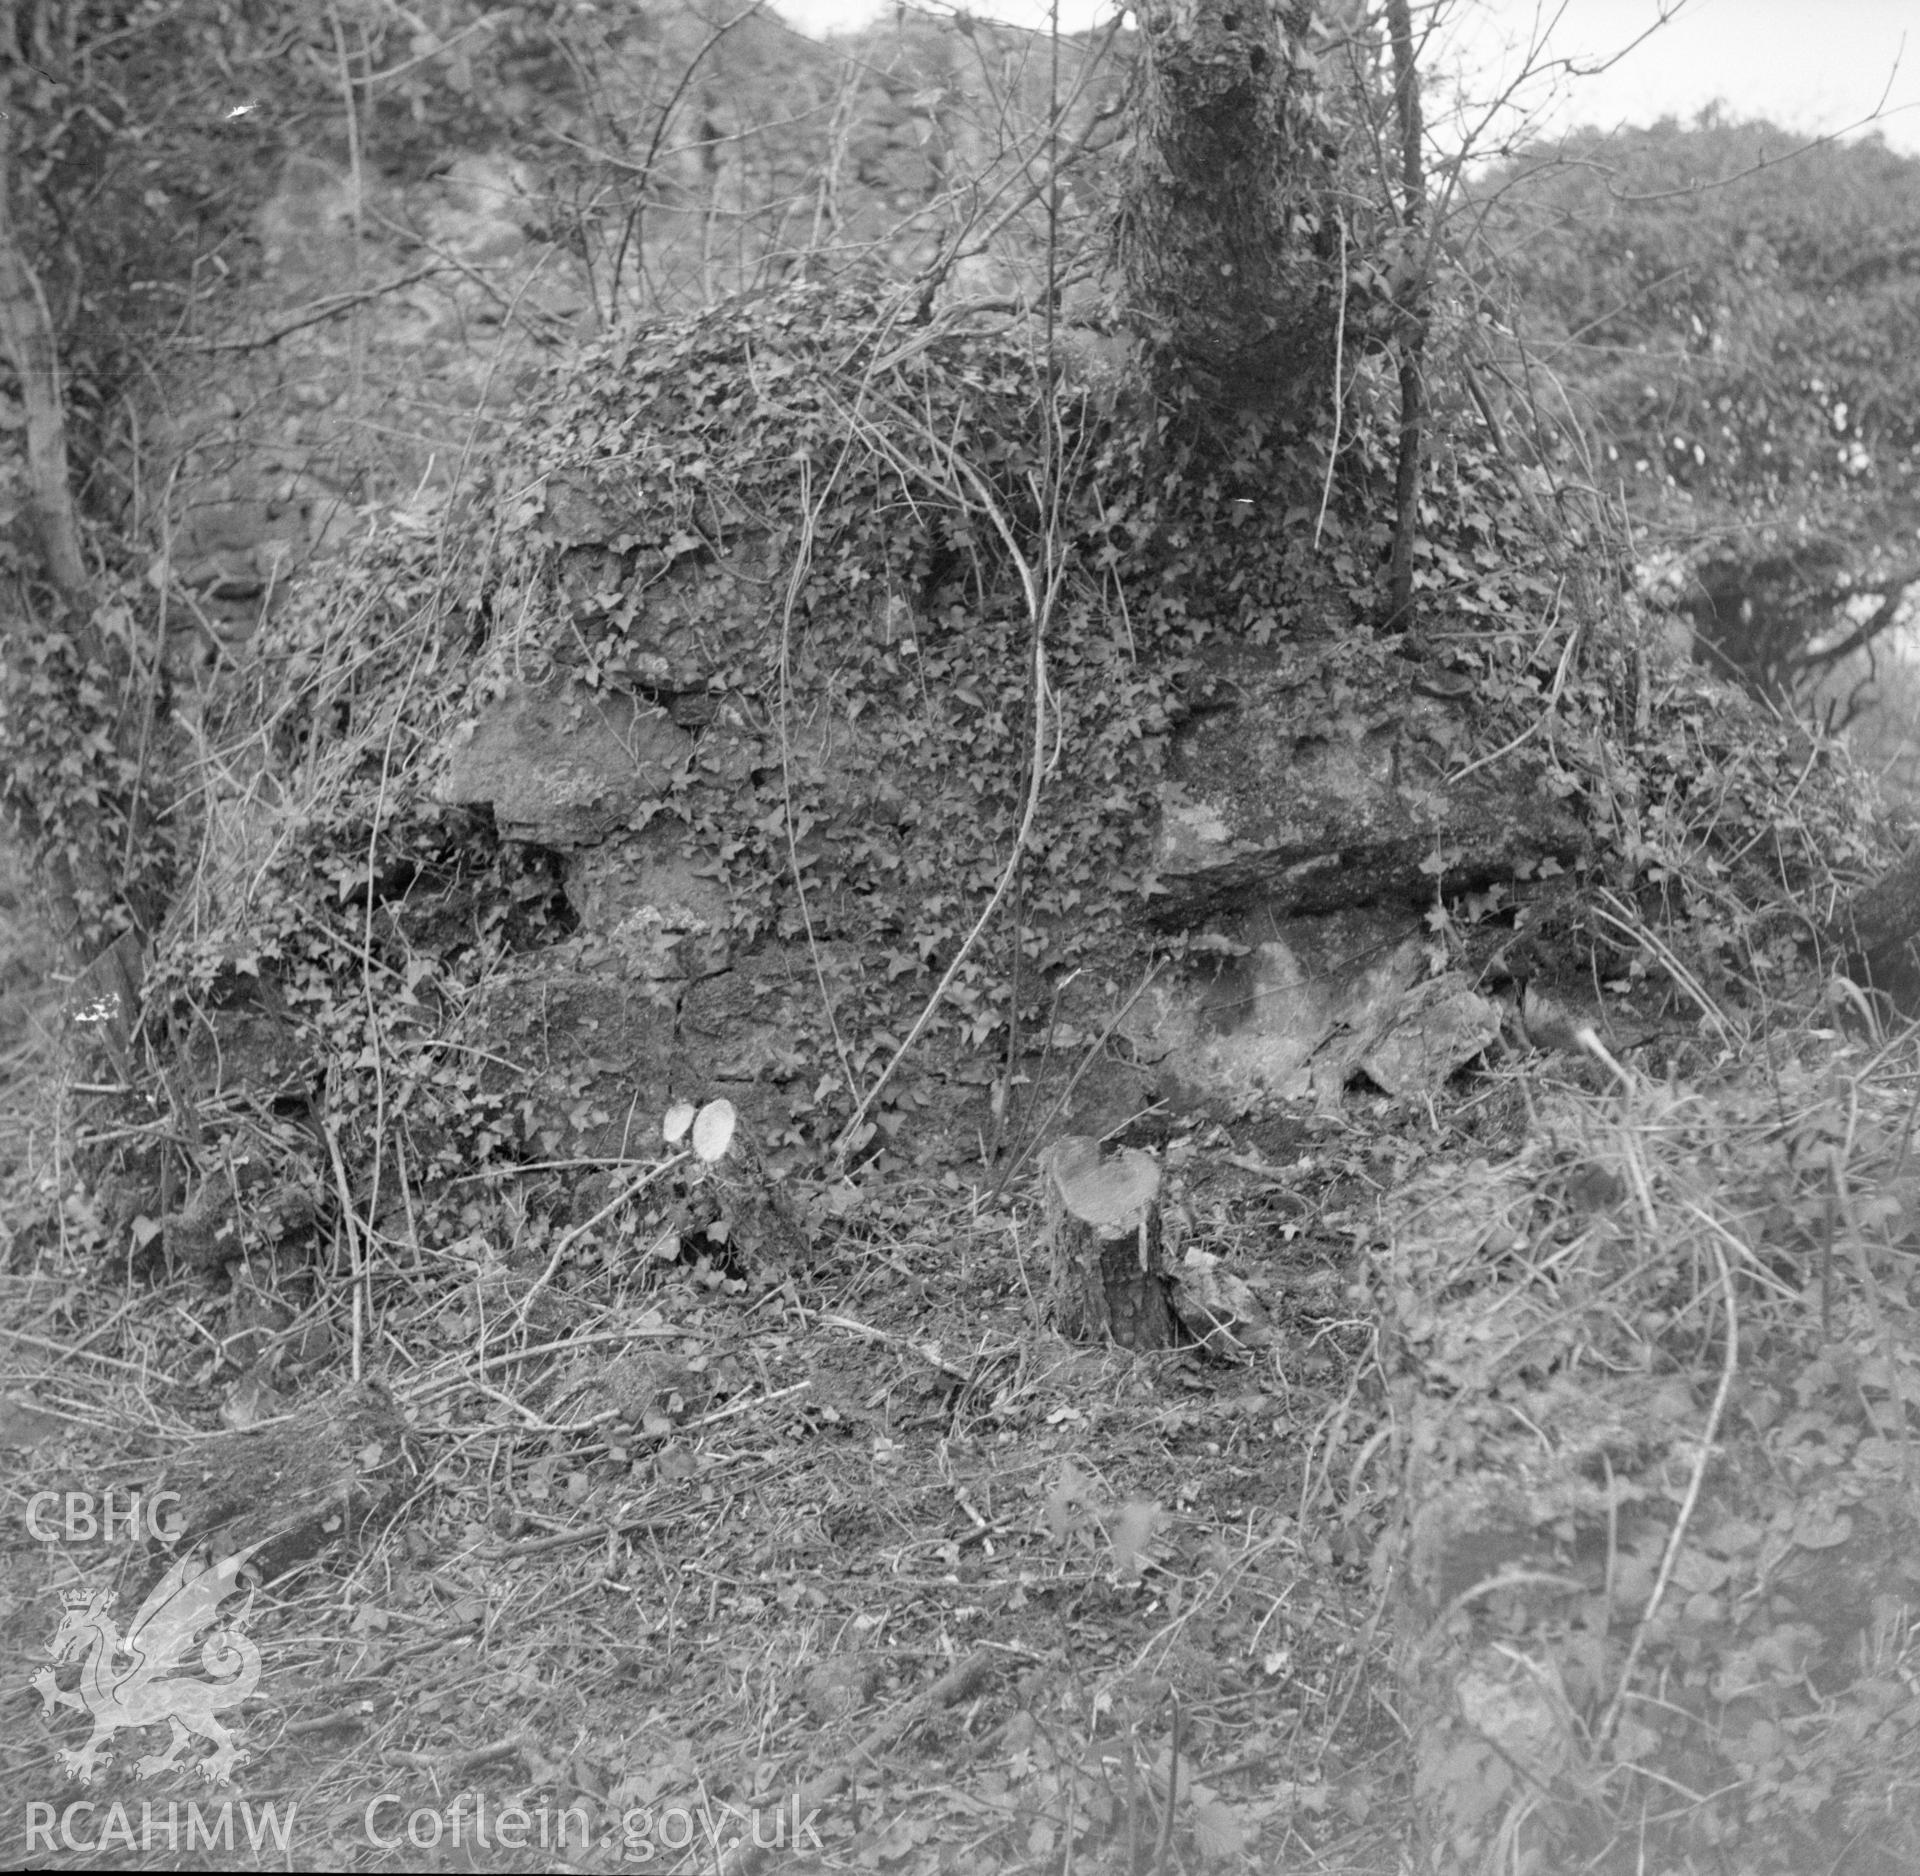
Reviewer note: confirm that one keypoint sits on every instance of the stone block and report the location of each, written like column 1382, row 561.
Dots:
column 562, row 766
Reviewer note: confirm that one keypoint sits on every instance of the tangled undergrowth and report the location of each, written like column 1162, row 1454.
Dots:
column 660, row 1530
column 958, row 567
column 669, row 1552
column 1653, row 1381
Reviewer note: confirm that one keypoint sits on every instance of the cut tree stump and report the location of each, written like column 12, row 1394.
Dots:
column 1103, row 1223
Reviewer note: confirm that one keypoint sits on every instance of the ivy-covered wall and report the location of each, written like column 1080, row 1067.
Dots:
column 690, row 753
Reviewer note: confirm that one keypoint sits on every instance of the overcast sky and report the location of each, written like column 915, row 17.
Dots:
column 1810, row 65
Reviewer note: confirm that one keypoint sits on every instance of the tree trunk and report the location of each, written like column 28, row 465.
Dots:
column 1220, row 232
column 1414, row 270
column 79, row 861
column 1103, row 1223
column 26, row 333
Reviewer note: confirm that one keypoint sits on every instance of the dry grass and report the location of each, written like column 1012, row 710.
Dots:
column 865, row 1537
column 868, row 1536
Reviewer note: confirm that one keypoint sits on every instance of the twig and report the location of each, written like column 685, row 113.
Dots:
column 1160, row 1861
column 632, row 231
column 1040, row 599
column 731, row 1411
column 854, row 1326
column 327, row 308
column 585, row 1534
column 1670, row 1558
column 439, row 49
column 356, row 1715
column 64, row 1353
column 1066, row 1094
column 574, row 1236
column 429, row 1385
column 453, row 1764
column 810, row 511
column 357, row 1264
column 956, row 1684
column 1617, row 913
column 1546, row 710
column 1339, row 397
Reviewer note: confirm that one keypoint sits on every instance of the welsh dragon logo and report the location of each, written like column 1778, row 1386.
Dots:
column 129, row 1681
